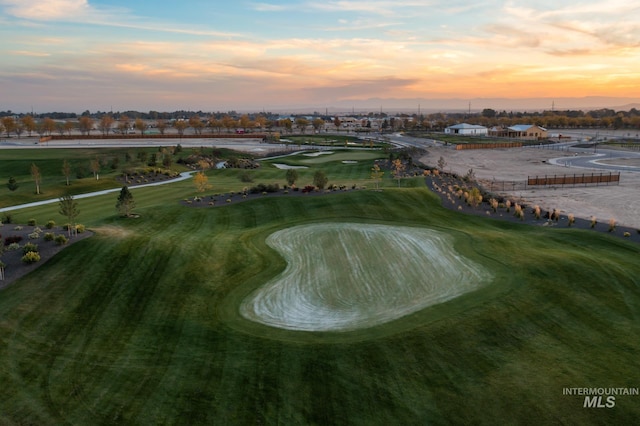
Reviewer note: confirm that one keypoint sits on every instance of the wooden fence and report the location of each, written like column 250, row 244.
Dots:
column 157, row 136
column 489, row 145
column 592, row 179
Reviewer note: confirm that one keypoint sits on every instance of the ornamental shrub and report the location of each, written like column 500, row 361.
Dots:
column 31, row 257
column 80, row 228
column 61, row 239
column 12, row 239
column 49, row 236
column 50, row 224
column 13, row 247
column 29, row 247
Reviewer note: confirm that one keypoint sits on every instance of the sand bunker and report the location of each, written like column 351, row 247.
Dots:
column 316, row 154
column 348, row 276
column 286, row 166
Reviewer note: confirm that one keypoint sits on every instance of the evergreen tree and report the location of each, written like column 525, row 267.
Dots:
column 13, row 184
column 125, row 202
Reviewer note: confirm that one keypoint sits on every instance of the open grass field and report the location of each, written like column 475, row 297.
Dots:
column 142, row 323
column 14, row 163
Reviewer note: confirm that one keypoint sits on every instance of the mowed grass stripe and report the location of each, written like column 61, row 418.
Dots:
column 498, row 355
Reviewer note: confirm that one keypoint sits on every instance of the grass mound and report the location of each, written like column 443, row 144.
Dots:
column 345, row 276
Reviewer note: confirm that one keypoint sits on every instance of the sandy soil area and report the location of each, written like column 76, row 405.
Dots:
column 620, row 202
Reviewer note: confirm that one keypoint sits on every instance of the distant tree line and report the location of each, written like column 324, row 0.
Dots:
column 216, row 122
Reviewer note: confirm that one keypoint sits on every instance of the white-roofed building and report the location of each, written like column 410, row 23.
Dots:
column 466, row 129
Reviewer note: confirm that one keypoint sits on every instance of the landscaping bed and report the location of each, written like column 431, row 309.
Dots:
column 447, row 187
column 14, row 266
column 217, row 200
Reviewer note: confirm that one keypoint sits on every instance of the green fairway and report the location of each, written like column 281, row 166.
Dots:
column 143, row 323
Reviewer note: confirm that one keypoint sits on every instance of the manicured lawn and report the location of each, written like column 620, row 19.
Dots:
column 17, row 163
column 141, row 323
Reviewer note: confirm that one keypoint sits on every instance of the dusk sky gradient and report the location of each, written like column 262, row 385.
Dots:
column 72, row 55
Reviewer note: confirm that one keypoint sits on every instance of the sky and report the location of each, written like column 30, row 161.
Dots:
column 102, row 55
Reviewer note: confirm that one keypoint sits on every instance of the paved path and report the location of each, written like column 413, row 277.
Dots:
column 585, row 160
column 183, row 176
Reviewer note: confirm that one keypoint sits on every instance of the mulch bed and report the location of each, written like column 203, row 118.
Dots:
column 15, row 268
column 144, row 179
column 452, row 202
column 218, row 200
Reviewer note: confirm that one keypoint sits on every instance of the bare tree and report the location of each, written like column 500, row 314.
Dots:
column 69, row 208
column 35, row 173
column 66, row 170
column 161, row 125
column 95, row 168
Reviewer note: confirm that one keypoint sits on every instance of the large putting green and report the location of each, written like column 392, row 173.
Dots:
column 345, row 276
column 142, row 323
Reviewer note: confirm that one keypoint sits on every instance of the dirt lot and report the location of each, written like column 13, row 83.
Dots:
column 620, row 202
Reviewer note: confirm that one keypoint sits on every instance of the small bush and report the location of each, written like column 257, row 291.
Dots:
column 31, row 222
column 31, row 257
column 34, row 235
column 50, row 224
column 12, row 239
column 61, row 239
column 261, row 187
column 18, row 228
column 13, row 247
column 80, row 228
column 627, row 234
column 29, row 247
column 7, row 218
column 49, row 236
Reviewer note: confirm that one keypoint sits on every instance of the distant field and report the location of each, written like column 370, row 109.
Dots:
column 142, row 323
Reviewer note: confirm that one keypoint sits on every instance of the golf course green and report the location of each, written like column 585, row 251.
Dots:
column 355, row 307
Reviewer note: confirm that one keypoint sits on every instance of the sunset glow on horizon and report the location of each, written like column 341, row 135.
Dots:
column 71, row 55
